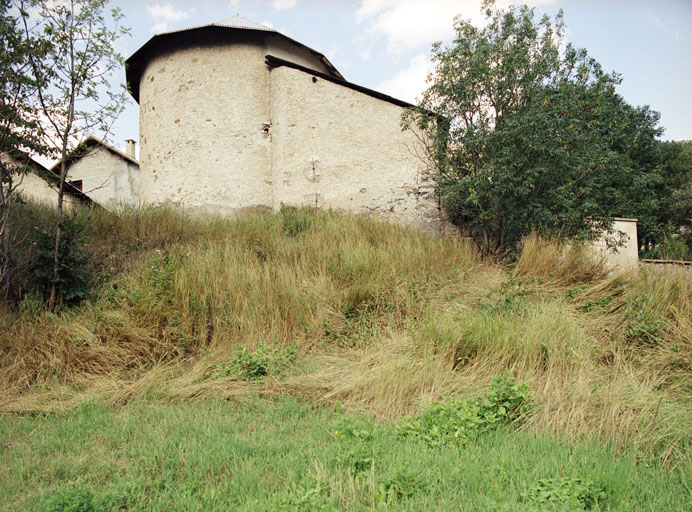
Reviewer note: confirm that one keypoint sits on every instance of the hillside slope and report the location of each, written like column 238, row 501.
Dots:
column 331, row 308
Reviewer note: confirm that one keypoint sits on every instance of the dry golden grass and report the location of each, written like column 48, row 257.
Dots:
column 385, row 319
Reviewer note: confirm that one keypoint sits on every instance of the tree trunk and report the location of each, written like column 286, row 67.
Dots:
column 6, row 253
column 52, row 300
column 6, row 291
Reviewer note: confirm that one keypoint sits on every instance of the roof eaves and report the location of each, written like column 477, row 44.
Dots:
column 275, row 62
column 133, row 63
column 86, row 146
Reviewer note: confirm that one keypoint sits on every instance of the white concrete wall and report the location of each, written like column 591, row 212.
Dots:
column 204, row 117
column 622, row 258
column 36, row 189
column 335, row 147
column 108, row 179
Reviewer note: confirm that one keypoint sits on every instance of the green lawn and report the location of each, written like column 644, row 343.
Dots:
column 288, row 455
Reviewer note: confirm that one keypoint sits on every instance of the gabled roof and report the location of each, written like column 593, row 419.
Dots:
column 86, row 146
column 225, row 29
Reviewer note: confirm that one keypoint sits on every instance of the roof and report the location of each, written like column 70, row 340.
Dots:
column 236, row 21
column 49, row 175
column 276, row 62
column 224, row 29
column 85, row 147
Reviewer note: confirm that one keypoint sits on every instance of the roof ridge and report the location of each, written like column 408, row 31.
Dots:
column 238, row 21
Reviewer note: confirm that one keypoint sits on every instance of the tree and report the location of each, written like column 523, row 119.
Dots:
column 665, row 206
column 527, row 132
column 19, row 130
column 75, row 93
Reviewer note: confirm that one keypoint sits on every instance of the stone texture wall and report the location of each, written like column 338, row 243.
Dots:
column 222, row 133
column 106, row 178
column 335, row 147
column 204, row 123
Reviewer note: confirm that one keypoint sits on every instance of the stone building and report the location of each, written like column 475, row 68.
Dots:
column 235, row 116
column 105, row 174
column 40, row 185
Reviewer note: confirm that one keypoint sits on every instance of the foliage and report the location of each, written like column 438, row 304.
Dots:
column 73, row 278
column 257, row 365
column 71, row 499
column 527, row 132
column 19, row 131
column 664, row 207
column 565, row 494
column 74, row 92
column 458, row 422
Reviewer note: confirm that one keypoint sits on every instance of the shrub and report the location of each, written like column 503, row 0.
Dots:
column 257, row 365
column 565, row 493
column 72, row 280
column 457, row 421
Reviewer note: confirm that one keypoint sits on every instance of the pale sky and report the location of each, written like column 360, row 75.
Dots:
column 385, row 44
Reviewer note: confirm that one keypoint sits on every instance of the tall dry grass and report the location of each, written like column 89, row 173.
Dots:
column 385, row 319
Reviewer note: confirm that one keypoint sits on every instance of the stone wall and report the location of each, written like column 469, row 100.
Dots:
column 204, row 124
column 106, row 178
column 335, row 147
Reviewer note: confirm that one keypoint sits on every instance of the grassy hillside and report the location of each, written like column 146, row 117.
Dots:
column 344, row 311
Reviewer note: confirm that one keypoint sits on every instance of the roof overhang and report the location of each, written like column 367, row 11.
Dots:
column 136, row 63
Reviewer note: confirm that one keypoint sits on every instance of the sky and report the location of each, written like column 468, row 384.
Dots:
column 385, row 44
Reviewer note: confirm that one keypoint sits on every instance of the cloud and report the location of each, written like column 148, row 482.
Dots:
column 409, row 24
column 166, row 12
column 283, row 4
column 160, row 27
column 674, row 35
column 163, row 13
column 408, row 83
column 233, row 4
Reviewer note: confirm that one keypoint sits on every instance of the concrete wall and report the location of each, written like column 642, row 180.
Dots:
column 37, row 190
column 108, row 179
column 34, row 188
column 626, row 257
column 335, row 147
column 204, row 123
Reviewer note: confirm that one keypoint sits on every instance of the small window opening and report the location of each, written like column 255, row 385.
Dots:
column 77, row 184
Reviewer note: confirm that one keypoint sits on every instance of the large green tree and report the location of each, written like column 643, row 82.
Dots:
column 528, row 133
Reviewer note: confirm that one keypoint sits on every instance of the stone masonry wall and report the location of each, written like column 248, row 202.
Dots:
column 204, row 119
column 335, row 147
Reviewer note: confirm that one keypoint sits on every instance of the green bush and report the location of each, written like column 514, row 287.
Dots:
column 565, row 493
column 456, row 421
column 73, row 276
column 257, row 365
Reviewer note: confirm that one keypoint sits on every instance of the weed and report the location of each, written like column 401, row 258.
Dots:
column 456, row 421
column 257, row 365
column 565, row 493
